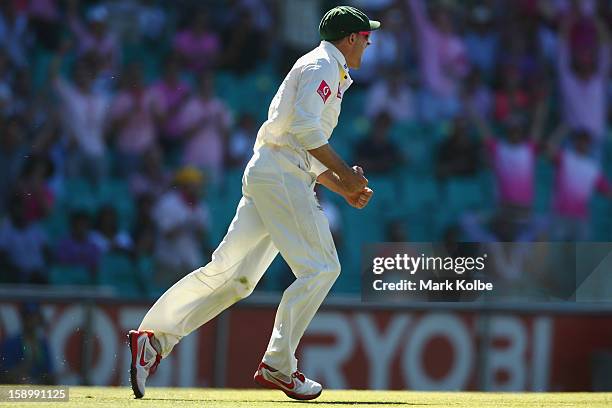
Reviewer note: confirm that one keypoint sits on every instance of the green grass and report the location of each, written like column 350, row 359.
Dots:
column 202, row 397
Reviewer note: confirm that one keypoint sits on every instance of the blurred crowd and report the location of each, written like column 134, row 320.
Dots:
column 124, row 125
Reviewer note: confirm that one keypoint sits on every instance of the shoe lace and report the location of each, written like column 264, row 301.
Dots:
column 299, row 376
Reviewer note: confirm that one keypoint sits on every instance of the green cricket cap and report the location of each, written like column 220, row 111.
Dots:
column 344, row 20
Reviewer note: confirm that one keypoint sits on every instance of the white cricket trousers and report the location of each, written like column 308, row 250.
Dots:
column 278, row 212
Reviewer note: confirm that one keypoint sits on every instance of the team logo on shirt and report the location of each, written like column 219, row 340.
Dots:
column 324, row 91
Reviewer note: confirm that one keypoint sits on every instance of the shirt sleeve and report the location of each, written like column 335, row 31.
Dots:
column 316, row 166
column 314, row 90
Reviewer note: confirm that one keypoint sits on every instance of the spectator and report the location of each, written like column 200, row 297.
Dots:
column 583, row 76
column 519, row 45
column 144, row 241
column 21, row 98
column 144, row 259
column 145, row 236
column 476, row 93
column 6, row 84
column 78, row 249
column 205, row 121
column 23, row 246
column 198, row 46
column 510, row 95
column 152, row 21
column 135, row 114
column 173, row 92
column 107, row 236
column 14, row 33
column 391, row 95
column 443, row 60
column 242, row 139
column 45, row 22
column 182, row 220
column 297, row 35
column 26, row 357
column 33, row 186
column 458, row 155
column 514, row 158
column 259, row 10
column 578, row 176
column 505, row 224
column 507, row 235
column 376, row 153
column 144, row 213
column 240, row 56
column 84, row 113
column 13, row 153
column 152, row 178
column 95, row 38
column 481, row 40
column 388, row 50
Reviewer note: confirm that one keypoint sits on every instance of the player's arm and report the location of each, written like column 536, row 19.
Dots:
column 351, row 181
column 331, row 180
column 315, row 90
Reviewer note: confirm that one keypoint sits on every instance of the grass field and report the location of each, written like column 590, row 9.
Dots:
column 226, row 398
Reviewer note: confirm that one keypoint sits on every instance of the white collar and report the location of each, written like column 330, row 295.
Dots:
column 335, row 52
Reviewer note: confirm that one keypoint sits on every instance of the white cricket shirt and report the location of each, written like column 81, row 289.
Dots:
column 305, row 109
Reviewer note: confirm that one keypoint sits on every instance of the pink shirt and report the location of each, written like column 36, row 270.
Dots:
column 200, row 50
column 514, row 167
column 210, row 118
column 171, row 96
column 138, row 133
column 584, row 102
column 443, row 58
column 575, row 182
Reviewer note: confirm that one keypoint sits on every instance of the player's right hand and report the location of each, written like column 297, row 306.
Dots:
column 355, row 181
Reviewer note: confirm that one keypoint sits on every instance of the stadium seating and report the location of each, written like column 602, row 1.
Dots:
column 70, row 275
column 122, row 273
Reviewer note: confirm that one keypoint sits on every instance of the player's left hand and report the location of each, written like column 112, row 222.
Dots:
column 360, row 199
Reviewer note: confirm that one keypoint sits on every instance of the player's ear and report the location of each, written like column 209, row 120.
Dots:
column 351, row 38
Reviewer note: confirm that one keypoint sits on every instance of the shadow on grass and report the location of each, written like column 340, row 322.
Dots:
column 374, row 403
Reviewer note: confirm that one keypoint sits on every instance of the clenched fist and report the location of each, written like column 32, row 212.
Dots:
column 359, row 199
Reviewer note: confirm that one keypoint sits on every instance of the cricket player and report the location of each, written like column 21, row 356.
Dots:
column 277, row 213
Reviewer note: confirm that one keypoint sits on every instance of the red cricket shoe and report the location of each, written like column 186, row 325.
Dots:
column 145, row 359
column 297, row 386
